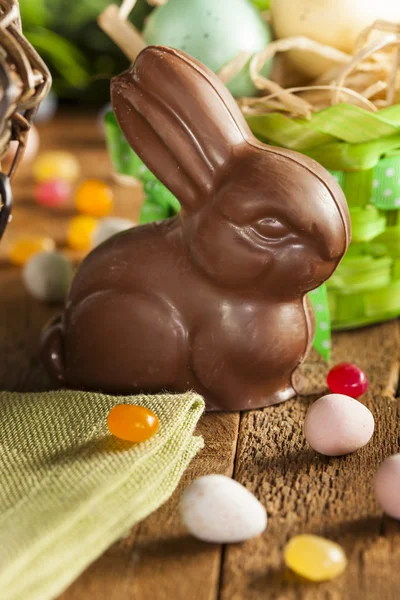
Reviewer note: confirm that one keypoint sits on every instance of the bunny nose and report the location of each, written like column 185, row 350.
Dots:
column 332, row 242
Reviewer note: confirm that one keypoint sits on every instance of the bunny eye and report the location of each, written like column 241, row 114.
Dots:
column 271, row 228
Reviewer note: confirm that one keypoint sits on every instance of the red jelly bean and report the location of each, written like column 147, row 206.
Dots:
column 347, row 379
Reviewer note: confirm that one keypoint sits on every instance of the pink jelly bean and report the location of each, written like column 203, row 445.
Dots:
column 55, row 193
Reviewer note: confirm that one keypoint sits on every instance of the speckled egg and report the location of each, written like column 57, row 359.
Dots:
column 212, row 31
column 337, row 424
column 387, row 486
column 218, row 509
column 47, row 276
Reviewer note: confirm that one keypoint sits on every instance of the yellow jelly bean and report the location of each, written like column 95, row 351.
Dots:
column 314, row 557
column 80, row 230
column 56, row 165
column 25, row 247
column 94, row 198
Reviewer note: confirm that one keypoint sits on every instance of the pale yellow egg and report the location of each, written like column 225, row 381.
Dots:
column 336, row 23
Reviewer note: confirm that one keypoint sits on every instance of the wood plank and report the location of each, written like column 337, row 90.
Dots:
column 157, row 559
column 302, row 491
column 306, row 492
column 157, row 556
column 21, row 321
column 21, row 317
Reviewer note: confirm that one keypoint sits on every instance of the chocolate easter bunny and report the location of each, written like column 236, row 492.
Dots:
column 214, row 298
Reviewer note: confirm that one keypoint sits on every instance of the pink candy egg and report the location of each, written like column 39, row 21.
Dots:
column 337, row 424
column 55, row 193
column 387, row 486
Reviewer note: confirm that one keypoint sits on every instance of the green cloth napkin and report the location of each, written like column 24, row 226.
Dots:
column 69, row 489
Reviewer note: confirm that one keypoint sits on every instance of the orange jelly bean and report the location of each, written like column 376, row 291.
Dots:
column 94, row 198
column 132, row 423
column 22, row 250
column 80, row 231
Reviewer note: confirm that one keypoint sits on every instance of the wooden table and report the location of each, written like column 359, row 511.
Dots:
column 265, row 450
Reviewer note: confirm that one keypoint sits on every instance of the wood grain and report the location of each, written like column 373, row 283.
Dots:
column 142, row 565
column 307, row 493
column 158, row 559
column 266, row 450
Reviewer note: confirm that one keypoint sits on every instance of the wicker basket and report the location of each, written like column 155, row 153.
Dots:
column 24, row 81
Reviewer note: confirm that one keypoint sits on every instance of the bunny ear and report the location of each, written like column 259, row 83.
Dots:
column 181, row 120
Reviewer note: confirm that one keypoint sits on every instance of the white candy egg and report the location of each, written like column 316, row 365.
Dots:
column 215, row 508
column 109, row 227
column 337, row 424
column 47, row 276
column 336, row 23
column 387, row 486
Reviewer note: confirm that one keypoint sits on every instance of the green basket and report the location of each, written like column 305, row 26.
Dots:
column 362, row 151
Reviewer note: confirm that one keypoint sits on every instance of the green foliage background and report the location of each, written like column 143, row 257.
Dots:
column 80, row 56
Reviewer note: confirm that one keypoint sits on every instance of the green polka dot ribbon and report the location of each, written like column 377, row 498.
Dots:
column 322, row 338
column 385, row 192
